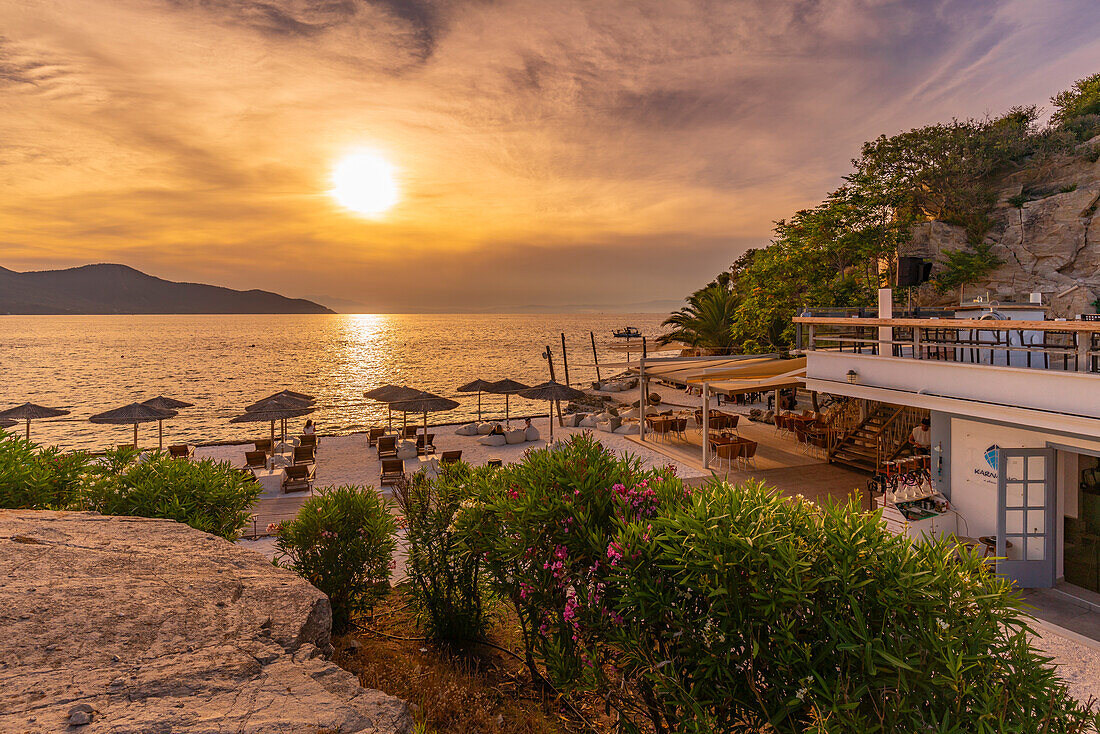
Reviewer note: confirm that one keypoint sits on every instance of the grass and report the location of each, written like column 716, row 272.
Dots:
column 466, row 689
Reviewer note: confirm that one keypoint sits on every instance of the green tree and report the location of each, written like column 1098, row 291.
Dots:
column 706, row 320
column 1083, row 98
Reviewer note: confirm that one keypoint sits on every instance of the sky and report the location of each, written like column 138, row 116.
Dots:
column 608, row 152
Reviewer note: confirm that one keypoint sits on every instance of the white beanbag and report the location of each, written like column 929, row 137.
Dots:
column 517, row 436
column 532, row 433
column 627, row 429
column 406, row 450
column 470, row 429
column 604, row 416
column 571, row 420
column 589, row 421
column 632, row 413
column 494, row 439
column 485, row 428
column 611, row 387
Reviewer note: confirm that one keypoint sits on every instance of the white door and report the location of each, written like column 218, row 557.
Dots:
column 1025, row 516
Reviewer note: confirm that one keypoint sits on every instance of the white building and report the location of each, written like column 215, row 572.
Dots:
column 1015, row 422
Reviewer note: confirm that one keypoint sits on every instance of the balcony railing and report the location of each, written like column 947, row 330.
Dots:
column 1072, row 346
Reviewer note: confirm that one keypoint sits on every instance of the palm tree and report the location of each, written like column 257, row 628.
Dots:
column 705, row 322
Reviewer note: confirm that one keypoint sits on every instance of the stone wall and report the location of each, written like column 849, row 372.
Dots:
column 119, row 624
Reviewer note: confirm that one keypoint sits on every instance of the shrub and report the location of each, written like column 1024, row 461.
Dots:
column 46, row 479
column 342, row 542
column 747, row 605
column 445, row 575
column 210, row 496
column 733, row 607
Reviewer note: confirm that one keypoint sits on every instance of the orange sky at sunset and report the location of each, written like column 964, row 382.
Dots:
column 545, row 152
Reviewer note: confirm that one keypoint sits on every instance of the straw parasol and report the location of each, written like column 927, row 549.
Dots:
column 506, row 388
column 422, row 404
column 479, row 386
column 552, row 391
column 162, row 403
column 281, row 399
column 271, row 413
column 7, row 422
column 28, row 412
column 391, row 394
column 133, row 413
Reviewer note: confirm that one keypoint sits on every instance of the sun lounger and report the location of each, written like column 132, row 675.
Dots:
column 387, row 447
column 374, row 434
column 264, row 444
column 392, row 471
column 181, row 452
column 303, row 455
column 421, row 448
column 450, row 457
column 410, row 431
column 255, row 459
column 299, row 478
column 307, row 440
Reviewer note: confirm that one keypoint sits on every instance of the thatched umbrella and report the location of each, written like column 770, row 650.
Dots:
column 273, row 412
column 28, row 412
column 133, row 413
column 390, row 394
column 505, row 388
column 7, row 422
column 422, row 404
column 552, row 391
column 282, row 399
column 479, row 386
column 162, row 403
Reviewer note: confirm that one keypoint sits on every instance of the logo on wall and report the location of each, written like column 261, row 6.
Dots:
column 990, row 459
column 991, row 456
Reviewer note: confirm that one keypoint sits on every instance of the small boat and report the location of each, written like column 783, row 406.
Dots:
column 628, row 332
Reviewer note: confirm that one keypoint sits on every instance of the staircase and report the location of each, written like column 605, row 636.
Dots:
column 882, row 436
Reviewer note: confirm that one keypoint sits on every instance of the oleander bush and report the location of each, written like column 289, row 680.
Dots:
column 38, row 479
column 445, row 576
column 733, row 607
column 207, row 495
column 342, row 541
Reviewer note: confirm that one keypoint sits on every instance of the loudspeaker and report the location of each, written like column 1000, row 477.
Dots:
column 913, row 271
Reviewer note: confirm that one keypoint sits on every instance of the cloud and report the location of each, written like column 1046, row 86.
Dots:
column 560, row 152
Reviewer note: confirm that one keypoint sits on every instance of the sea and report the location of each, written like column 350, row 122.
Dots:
column 221, row 363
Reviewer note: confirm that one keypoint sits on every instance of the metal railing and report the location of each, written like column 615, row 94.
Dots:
column 1072, row 346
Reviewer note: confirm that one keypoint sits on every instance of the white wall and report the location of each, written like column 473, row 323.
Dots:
column 974, row 482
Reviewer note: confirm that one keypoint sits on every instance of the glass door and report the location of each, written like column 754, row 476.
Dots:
column 1025, row 516
column 1081, row 552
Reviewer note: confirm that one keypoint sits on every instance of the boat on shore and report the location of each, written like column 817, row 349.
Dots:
column 627, row 332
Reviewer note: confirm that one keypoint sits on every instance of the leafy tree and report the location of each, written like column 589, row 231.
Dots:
column 1083, row 98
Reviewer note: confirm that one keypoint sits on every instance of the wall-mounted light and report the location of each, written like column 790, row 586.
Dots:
column 853, row 377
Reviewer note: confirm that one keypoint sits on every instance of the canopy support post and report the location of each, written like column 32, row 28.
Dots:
column 706, row 425
column 641, row 399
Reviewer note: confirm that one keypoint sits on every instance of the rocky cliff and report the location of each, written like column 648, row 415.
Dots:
column 120, row 624
column 1045, row 230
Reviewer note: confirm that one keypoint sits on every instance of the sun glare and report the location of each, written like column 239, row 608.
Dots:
column 365, row 183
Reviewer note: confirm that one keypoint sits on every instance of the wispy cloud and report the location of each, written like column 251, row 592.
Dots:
column 551, row 151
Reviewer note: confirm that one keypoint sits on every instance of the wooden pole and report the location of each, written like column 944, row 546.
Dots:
column 160, row 435
column 643, row 348
column 641, row 401
column 550, row 362
column 564, row 358
column 595, row 357
column 135, row 436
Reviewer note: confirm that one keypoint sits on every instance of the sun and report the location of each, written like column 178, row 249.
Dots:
column 365, row 182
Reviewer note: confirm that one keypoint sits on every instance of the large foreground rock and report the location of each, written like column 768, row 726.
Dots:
column 152, row 626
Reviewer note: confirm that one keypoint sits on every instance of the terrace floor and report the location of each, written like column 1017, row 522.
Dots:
column 780, row 462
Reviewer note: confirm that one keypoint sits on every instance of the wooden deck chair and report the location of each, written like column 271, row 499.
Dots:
column 450, row 457
column 748, row 453
column 264, row 444
column 181, row 451
column 307, row 440
column 299, row 478
column 387, row 447
column 304, row 455
column 255, row 459
column 423, row 448
column 392, row 471
column 374, row 434
column 410, row 431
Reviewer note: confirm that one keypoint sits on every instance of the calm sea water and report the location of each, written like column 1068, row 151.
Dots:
column 89, row 364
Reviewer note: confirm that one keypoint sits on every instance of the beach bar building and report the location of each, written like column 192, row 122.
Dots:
column 1014, row 404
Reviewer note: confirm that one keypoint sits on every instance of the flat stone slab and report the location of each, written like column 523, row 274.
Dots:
column 151, row 626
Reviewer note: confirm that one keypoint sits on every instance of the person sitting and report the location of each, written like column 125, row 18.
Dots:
column 921, row 437
column 498, row 430
column 310, row 429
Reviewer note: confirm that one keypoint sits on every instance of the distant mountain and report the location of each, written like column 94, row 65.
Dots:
column 118, row 289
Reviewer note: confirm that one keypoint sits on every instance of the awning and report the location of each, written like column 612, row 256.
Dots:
column 756, row 369
column 795, row 378
column 684, row 370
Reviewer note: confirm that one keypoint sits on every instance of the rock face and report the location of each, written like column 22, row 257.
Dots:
column 117, row 624
column 1050, row 243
